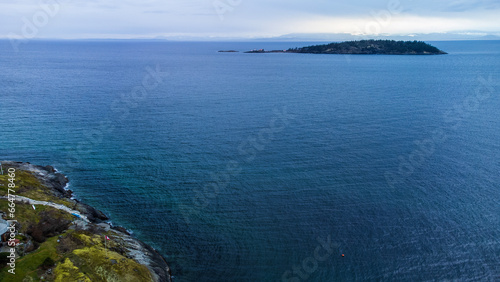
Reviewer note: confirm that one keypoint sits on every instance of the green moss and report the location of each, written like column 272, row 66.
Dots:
column 27, row 185
column 102, row 265
column 90, row 263
column 26, row 216
column 89, row 239
column 67, row 271
column 27, row 266
column 80, row 257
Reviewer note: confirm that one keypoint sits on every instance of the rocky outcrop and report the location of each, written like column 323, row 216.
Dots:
column 130, row 247
column 57, row 183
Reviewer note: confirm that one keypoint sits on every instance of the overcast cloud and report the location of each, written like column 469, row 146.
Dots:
column 241, row 18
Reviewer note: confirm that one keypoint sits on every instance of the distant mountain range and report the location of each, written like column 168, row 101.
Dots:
column 314, row 37
column 338, row 37
column 466, row 35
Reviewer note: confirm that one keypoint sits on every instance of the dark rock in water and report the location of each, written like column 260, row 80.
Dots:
column 157, row 263
column 92, row 214
column 257, row 51
column 50, row 168
column 59, row 181
column 264, row 51
column 121, row 229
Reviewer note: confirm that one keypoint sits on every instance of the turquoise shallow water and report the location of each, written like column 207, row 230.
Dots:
column 238, row 167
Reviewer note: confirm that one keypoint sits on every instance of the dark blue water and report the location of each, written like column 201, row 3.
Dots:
column 268, row 167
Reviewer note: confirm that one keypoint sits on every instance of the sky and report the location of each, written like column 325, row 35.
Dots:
column 70, row 19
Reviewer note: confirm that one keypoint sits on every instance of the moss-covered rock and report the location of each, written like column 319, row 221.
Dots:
column 58, row 246
column 67, row 271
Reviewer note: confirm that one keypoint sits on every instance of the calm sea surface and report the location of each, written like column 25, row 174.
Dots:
column 269, row 167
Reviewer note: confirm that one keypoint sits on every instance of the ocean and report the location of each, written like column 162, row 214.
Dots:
column 272, row 167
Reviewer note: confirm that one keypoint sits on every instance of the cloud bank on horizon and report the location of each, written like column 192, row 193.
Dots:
column 241, row 18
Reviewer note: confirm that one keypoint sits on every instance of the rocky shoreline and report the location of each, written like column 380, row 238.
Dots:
column 92, row 220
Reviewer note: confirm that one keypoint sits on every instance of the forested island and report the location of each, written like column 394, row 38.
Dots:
column 369, row 47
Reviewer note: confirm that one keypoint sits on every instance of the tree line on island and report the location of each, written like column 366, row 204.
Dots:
column 383, row 47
